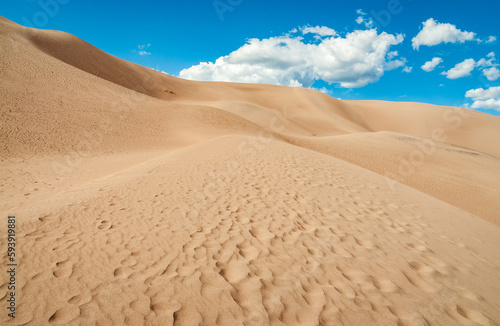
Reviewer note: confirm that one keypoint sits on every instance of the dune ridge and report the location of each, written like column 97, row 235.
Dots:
column 145, row 199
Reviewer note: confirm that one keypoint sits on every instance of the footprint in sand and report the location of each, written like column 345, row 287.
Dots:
column 105, row 225
column 421, row 268
column 385, row 285
column 368, row 244
column 345, row 290
column 261, row 233
column 464, row 315
column 248, row 251
column 420, row 283
column 355, row 276
column 123, row 272
column 65, row 315
column 234, row 271
column 417, row 247
column 63, row 269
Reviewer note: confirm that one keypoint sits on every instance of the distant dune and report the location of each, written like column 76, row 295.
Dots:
column 145, row 199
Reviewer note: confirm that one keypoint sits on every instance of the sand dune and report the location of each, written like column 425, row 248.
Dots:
column 145, row 199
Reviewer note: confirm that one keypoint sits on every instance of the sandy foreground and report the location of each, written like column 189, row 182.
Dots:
column 145, row 199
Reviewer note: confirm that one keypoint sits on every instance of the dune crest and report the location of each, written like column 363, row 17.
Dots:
column 145, row 199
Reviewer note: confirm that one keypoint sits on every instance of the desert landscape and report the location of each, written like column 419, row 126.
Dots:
column 145, row 199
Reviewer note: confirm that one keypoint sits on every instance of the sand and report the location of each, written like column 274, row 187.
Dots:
column 144, row 199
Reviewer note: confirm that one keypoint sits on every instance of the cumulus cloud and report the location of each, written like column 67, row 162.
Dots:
column 491, row 74
column 491, row 39
column 483, row 94
column 359, row 58
column 488, row 62
column 460, row 70
column 485, row 98
column 317, row 30
column 430, row 65
column 407, row 69
column 464, row 68
column 489, row 66
column 364, row 19
column 434, row 33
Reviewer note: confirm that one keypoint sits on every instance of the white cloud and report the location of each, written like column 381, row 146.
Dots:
column 434, row 33
column 142, row 49
column 362, row 19
column 485, row 98
column 489, row 67
column 483, row 94
column 465, row 67
column 430, row 65
column 491, row 104
column 407, row 69
column 359, row 58
column 318, row 30
column 491, row 74
column 462, row 69
column 491, row 39
column 488, row 63
column 324, row 90
column 162, row 71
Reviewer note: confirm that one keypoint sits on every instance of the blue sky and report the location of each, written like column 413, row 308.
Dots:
column 372, row 49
